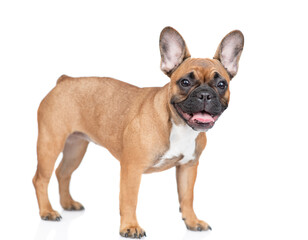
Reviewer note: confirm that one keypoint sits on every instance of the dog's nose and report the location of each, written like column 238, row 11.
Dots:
column 206, row 96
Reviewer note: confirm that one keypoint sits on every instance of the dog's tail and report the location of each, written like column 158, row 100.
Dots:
column 63, row 78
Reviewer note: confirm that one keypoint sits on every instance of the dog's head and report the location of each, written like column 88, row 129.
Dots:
column 199, row 88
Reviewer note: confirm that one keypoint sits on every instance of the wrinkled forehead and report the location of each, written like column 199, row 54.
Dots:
column 204, row 69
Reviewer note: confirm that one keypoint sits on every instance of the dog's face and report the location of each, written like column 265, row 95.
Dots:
column 200, row 92
column 199, row 89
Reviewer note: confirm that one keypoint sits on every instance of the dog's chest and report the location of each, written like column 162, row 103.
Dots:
column 182, row 146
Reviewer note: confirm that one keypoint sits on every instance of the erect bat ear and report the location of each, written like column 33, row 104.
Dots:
column 173, row 50
column 229, row 51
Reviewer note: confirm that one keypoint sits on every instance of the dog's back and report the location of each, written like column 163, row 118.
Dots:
column 78, row 104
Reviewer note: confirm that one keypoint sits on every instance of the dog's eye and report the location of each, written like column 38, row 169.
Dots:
column 185, row 83
column 222, row 85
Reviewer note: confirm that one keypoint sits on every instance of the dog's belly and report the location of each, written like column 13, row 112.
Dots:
column 181, row 149
column 75, row 135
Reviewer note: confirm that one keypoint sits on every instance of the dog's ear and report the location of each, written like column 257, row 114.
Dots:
column 173, row 50
column 229, row 51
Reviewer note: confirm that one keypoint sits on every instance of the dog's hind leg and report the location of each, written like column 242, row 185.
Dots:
column 49, row 146
column 74, row 150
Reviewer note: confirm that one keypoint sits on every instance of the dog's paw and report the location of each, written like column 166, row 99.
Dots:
column 197, row 225
column 132, row 232
column 50, row 216
column 72, row 206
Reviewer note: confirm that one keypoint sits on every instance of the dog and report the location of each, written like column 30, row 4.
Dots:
column 146, row 129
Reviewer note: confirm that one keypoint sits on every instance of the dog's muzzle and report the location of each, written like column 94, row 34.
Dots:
column 201, row 108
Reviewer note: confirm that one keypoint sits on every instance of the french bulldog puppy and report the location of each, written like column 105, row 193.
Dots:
column 146, row 129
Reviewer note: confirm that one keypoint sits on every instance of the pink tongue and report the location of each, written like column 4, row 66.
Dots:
column 202, row 117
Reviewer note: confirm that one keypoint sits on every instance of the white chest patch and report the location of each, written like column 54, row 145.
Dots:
column 182, row 142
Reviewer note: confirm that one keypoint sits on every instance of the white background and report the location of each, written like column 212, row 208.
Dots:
column 252, row 180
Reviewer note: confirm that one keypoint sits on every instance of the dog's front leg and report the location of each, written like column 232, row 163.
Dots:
column 186, row 177
column 129, row 188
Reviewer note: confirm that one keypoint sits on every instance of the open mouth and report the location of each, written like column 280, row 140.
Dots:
column 198, row 120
